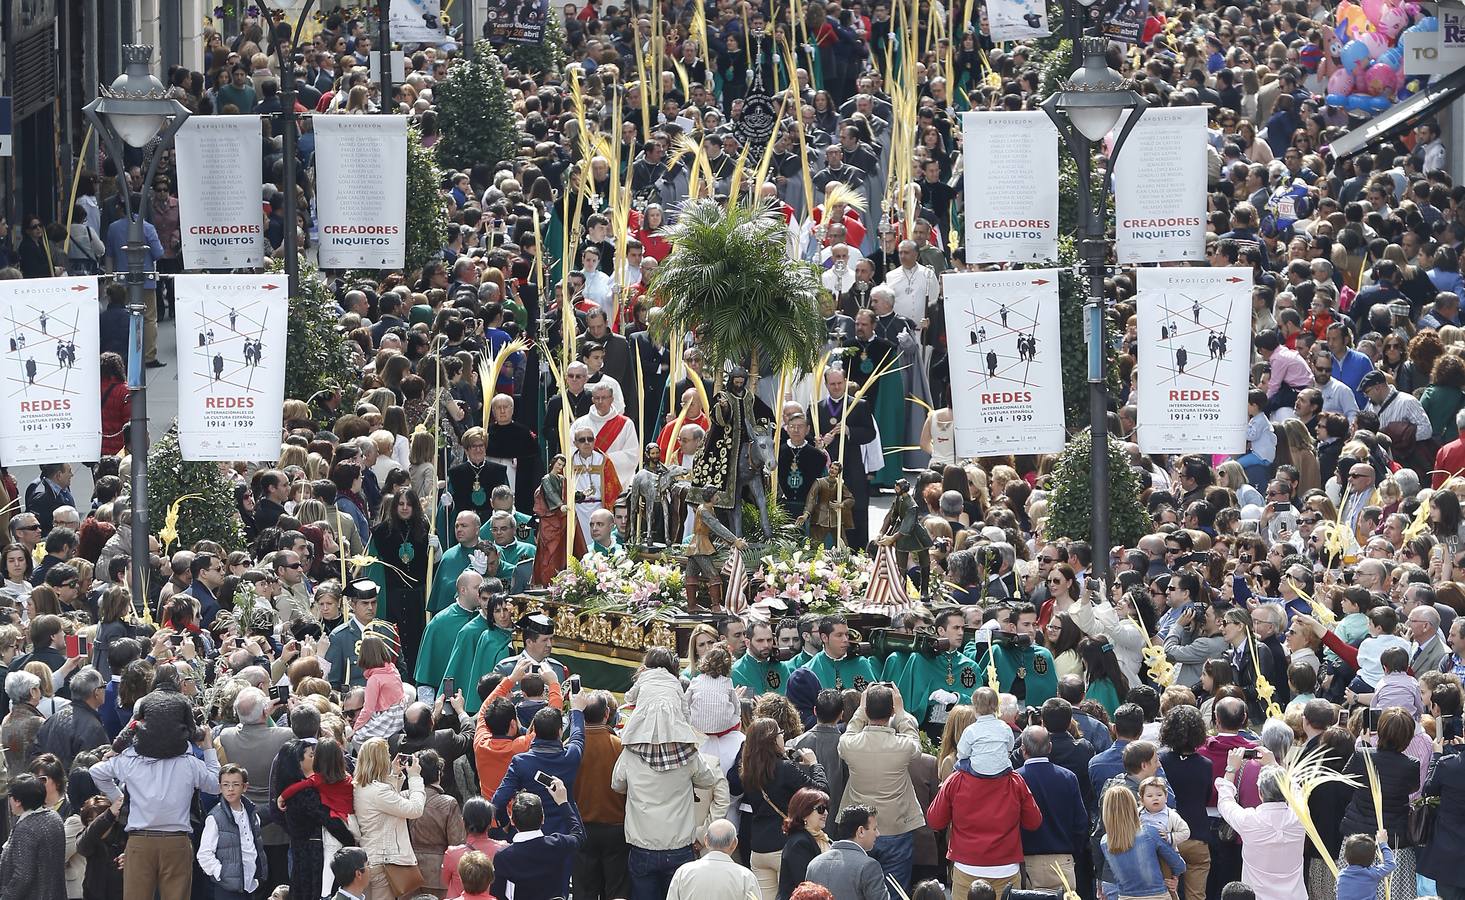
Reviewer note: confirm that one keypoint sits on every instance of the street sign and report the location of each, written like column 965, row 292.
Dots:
column 1426, row 54
column 6, row 148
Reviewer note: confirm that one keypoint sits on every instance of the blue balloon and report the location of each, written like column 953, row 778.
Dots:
column 1354, row 53
column 1357, row 102
column 1339, row 100
column 1428, row 23
column 1393, row 57
column 1377, row 104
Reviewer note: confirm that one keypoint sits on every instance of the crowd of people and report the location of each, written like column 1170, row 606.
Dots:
column 1264, row 701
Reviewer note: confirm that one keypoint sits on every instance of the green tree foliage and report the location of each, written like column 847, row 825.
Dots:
column 209, row 514
column 1070, row 505
column 729, row 277
column 545, row 56
column 427, row 221
column 475, row 119
column 318, row 355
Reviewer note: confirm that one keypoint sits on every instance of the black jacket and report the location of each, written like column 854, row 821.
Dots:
column 74, row 728
column 1398, row 778
column 1438, row 859
column 797, row 854
column 766, row 835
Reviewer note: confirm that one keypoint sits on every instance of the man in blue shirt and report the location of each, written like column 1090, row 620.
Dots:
column 116, row 260
column 1381, row 292
column 1129, row 724
column 1349, row 366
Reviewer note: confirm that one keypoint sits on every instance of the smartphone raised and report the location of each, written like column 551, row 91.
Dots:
column 450, row 687
column 73, row 646
column 544, row 778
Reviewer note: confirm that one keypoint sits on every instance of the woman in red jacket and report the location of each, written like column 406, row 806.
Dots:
column 116, row 403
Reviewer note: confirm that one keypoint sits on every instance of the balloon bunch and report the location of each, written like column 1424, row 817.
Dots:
column 1364, row 65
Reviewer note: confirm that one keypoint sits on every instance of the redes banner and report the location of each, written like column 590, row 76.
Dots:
column 1011, row 187
column 220, row 211
column 1006, row 379
column 1160, row 188
column 231, row 365
column 51, row 409
column 361, row 190
column 1194, row 358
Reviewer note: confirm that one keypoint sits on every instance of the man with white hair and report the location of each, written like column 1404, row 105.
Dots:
column 916, row 286
column 253, row 745
column 614, row 433
column 1427, row 646
column 593, row 476
column 716, row 876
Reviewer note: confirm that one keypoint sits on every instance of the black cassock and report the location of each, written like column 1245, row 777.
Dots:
column 515, row 441
column 860, row 430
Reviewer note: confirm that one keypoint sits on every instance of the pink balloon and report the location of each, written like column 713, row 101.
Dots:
column 1379, row 80
column 1411, row 10
column 1393, row 21
column 1340, row 82
column 1372, row 9
column 1376, row 43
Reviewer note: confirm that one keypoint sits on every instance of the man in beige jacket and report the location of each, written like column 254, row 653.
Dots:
column 716, row 876
column 877, row 748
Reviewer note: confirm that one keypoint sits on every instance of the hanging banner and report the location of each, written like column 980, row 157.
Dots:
column 1160, row 187
column 1006, row 379
column 361, row 191
column 1017, row 20
column 416, row 21
column 1127, row 23
column 1195, row 350
column 231, row 365
column 220, row 217
column 51, row 409
column 1011, row 187
column 515, row 21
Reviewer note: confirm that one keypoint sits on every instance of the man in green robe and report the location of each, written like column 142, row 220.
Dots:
column 470, row 551
column 759, row 670
column 442, row 634
column 811, row 642
column 501, row 529
column 1024, row 669
column 835, row 668
column 948, row 674
column 494, row 645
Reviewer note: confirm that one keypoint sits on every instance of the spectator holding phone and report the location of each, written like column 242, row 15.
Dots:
column 538, row 866
column 388, row 792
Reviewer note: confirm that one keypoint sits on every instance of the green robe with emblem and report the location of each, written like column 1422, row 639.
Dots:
column 460, row 661
column 1039, row 675
column 952, row 671
column 761, row 677
column 803, row 658
column 851, row 672
column 437, row 644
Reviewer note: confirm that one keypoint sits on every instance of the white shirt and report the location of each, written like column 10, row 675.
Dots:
column 916, row 289
column 209, row 844
column 1338, row 397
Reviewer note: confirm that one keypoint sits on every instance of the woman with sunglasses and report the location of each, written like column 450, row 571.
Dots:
column 808, row 812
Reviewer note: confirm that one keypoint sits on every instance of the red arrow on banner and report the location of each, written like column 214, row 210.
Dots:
column 270, row 287
column 1233, row 280
column 79, row 287
column 1040, row 281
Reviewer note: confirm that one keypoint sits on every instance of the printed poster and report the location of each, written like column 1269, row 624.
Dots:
column 515, row 21
column 51, row 407
column 1017, row 20
column 231, row 365
column 221, row 218
column 1126, row 24
column 1006, row 377
column 1011, row 187
column 1195, row 349
column 1160, row 193
column 416, row 22
column 361, row 191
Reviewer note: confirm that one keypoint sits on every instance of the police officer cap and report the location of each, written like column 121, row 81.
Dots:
column 361, row 589
column 536, row 625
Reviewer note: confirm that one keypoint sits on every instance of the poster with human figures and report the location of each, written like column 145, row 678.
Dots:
column 52, row 410
column 1006, row 378
column 231, row 365
column 1194, row 353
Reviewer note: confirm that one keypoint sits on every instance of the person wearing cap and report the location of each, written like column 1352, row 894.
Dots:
column 1397, row 411
column 537, row 631
column 440, row 637
column 346, row 638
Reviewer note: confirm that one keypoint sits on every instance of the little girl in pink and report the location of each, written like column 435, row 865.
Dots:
column 384, row 691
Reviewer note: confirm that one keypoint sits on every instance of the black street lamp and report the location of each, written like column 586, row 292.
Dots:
column 136, row 111
column 1085, row 109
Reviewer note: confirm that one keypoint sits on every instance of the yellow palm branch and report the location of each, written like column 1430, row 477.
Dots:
column 169, row 532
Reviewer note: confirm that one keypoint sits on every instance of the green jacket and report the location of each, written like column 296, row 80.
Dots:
column 950, row 671
column 851, row 672
column 1034, row 665
column 1440, row 403
column 761, row 677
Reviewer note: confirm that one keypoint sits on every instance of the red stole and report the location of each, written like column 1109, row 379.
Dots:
column 610, row 481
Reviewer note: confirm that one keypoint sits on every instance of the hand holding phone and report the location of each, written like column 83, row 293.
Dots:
column 450, row 686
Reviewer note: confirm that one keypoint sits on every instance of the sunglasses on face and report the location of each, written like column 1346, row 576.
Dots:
column 821, row 809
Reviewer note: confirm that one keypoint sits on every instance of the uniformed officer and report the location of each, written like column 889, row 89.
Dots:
column 537, row 631
column 345, row 640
